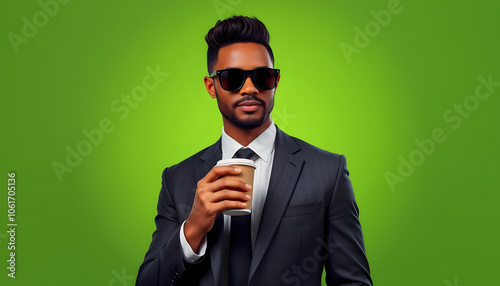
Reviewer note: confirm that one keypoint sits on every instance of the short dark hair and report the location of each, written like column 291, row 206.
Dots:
column 237, row 29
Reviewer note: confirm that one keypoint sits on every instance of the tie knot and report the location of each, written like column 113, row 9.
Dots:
column 244, row 153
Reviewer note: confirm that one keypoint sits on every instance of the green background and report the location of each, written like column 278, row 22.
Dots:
column 437, row 226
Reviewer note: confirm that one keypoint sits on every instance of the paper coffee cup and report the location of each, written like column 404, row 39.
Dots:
column 247, row 173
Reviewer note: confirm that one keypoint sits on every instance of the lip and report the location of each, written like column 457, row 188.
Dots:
column 250, row 105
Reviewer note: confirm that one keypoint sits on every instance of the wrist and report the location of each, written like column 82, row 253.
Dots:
column 193, row 235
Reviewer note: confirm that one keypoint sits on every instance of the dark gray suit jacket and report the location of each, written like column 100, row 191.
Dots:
column 309, row 221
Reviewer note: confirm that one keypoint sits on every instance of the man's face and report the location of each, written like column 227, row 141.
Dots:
column 249, row 107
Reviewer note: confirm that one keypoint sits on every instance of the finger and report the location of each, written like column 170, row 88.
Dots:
column 229, row 182
column 230, row 195
column 227, row 205
column 226, row 182
column 219, row 171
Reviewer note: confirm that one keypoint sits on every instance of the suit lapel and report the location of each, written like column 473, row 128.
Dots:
column 215, row 242
column 285, row 173
column 287, row 166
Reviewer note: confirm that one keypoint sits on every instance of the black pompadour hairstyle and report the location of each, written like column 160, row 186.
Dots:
column 237, row 29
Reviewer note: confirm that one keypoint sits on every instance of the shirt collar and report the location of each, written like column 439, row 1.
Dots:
column 263, row 145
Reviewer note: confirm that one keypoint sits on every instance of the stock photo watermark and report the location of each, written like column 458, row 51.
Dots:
column 11, row 224
column 31, row 26
column 282, row 117
column 454, row 117
column 121, row 107
column 121, row 278
column 363, row 36
column 455, row 282
column 301, row 272
column 224, row 8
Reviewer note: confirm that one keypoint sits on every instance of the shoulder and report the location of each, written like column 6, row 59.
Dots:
column 307, row 150
column 307, row 147
column 188, row 165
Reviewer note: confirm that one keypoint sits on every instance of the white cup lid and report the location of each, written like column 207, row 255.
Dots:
column 236, row 161
column 237, row 212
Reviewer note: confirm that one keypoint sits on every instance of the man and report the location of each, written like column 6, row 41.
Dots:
column 304, row 216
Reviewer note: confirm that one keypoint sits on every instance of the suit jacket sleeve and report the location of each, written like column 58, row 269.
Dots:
column 347, row 263
column 164, row 262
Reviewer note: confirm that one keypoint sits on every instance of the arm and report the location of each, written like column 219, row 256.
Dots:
column 347, row 263
column 165, row 262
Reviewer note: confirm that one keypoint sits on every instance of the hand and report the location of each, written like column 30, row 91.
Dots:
column 218, row 191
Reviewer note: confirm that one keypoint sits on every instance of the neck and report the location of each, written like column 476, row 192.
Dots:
column 244, row 136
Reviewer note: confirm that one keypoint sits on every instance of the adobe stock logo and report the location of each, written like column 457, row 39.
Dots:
column 455, row 282
column 121, row 278
column 301, row 272
column 121, row 108
column 31, row 26
column 372, row 29
column 455, row 116
column 223, row 6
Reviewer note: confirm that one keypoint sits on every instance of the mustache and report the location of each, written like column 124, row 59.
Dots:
column 249, row 98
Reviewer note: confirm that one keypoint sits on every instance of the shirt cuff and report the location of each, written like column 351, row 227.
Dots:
column 189, row 255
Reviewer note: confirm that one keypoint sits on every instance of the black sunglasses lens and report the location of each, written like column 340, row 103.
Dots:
column 264, row 79
column 232, row 79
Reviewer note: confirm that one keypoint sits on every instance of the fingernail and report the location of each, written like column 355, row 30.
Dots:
column 248, row 197
column 237, row 169
column 244, row 204
column 248, row 186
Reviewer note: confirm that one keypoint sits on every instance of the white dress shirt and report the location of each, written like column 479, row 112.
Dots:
column 263, row 146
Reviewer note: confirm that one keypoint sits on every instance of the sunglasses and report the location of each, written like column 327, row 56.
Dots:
column 233, row 79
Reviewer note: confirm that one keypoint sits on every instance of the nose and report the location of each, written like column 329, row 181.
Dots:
column 248, row 87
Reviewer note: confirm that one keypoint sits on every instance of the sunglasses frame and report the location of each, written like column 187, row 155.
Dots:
column 252, row 73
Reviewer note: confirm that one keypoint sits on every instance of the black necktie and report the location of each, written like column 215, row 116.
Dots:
column 240, row 249
column 244, row 153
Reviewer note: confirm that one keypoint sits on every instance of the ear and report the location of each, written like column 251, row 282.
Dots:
column 210, row 86
column 277, row 81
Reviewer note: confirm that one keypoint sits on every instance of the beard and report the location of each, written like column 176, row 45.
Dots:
column 245, row 123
